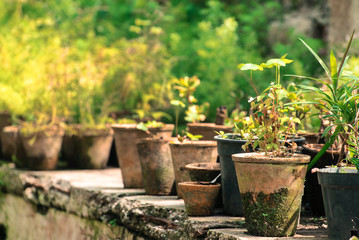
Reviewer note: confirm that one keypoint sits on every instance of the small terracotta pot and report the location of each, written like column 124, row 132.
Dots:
column 199, row 197
column 271, row 190
column 203, row 171
column 190, row 152
column 156, row 165
column 207, row 130
column 127, row 155
column 42, row 148
column 87, row 148
column 12, row 147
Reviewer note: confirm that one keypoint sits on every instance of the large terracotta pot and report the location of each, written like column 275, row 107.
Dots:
column 190, row 152
column 207, row 130
column 42, row 148
column 156, row 164
column 127, row 155
column 199, row 197
column 271, row 190
column 87, row 147
column 11, row 146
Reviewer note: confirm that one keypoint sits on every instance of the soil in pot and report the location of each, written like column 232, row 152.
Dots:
column 190, row 152
column 313, row 199
column 125, row 140
column 42, row 148
column 340, row 187
column 87, row 147
column 207, row 130
column 199, row 197
column 11, row 146
column 156, row 164
column 271, row 191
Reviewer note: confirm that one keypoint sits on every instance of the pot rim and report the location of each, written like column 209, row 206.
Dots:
column 192, row 166
column 199, row 143
column 339, row 170
column 260, row 158
column 131, row 126
column 198, row 183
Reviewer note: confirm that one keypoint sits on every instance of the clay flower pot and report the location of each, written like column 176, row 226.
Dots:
column 199, row 197
column 11, row 146
column 5, row 120
column 203, row 171
column 190, row 152
column 127, row 155
column 156, row 165
column 42, row 148
column 87, row 147
column 271, row 190
column 207, row 130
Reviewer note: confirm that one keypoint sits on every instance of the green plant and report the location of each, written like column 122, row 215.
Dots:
column 273, row 121
column 192, row 137
column 186, row 87
column 339, row 97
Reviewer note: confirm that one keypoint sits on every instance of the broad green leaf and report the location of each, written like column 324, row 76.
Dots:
column 250, row 66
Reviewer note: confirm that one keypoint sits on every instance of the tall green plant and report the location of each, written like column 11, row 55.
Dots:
column 339, row 98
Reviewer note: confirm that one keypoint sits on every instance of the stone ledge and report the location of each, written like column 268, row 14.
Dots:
column 99, row 195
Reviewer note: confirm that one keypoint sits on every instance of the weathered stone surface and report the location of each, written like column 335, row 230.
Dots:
column 25, row 221
column 90, row 204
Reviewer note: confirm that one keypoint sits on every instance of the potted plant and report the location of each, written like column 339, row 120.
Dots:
column 271, row 179
column 195, row 113
column 340, row 184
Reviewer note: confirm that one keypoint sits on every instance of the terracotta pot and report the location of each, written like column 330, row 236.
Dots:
column 190, row 152
column 87, row 148
column 11, row 146
column 271, row 190
column 313, row 198
column 156, row 165
column 127, row 155
column 207, row 130
column 42, row 148
column 199, row 197
column 5, row 120
column 311, row 138
column 203, row 171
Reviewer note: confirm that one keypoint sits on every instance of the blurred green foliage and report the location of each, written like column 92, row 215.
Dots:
column 78, row 61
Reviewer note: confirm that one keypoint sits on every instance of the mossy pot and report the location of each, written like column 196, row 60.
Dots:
column 126, row 136
column 271, row 190
column 156, row 164
column 87, row 147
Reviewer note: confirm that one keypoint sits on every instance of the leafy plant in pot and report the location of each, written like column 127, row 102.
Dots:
column 271, row 179
column 340, row 184
column 195, row 114
column 228, row 144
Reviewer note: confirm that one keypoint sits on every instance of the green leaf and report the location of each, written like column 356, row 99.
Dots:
column 320, row 61
column 178, row 103
column 250, row 66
